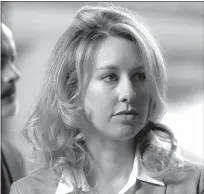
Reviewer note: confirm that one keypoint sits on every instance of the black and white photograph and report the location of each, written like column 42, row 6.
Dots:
column 102, row 97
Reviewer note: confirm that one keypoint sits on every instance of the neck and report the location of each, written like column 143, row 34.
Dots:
column 111, row 159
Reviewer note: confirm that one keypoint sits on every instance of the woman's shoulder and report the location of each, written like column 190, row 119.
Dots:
column 42, row 180
column 189, row 177
column 193, row 165
column 192, row 157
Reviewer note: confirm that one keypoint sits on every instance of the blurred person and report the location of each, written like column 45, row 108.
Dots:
column 95, row 128
column 12, row 164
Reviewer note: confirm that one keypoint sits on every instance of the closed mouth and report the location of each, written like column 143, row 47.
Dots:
column 127, row 112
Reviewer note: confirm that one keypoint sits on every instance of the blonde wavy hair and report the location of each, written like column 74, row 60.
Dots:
column 54, row 127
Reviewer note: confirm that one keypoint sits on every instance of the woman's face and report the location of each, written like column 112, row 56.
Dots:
column 117, row 96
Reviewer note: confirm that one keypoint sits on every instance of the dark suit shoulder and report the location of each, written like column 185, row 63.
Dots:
column 39, row 181
column 14, row 160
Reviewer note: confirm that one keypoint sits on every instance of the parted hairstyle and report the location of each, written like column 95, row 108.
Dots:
column 55, row 125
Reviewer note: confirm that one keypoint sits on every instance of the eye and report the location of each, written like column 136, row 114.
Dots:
column 110, row 78
column 140, row 76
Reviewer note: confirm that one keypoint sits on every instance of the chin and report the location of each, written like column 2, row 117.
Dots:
column 9, row 110
column 128, row 132
column 124, row 133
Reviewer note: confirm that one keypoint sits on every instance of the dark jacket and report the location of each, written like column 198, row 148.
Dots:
column 12, row 166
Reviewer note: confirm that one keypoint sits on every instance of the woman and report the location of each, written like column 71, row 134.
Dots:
column 95, row 126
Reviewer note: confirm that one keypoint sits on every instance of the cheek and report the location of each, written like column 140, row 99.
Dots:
column 143, row 101
column 97, row 101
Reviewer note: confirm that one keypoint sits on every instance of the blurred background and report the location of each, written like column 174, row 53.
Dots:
column 177, row 26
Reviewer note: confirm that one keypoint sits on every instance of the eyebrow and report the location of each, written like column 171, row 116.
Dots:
column 113, row 67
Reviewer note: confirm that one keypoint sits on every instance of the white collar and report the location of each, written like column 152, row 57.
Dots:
column 67, row 186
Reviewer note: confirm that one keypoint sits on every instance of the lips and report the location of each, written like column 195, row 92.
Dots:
column 8, row 91
column 127, row 112
column 126, row 115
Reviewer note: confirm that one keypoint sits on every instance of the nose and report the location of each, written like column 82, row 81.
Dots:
column 11, row 74
column 126, row 91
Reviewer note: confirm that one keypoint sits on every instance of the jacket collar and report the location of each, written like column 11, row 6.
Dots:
column 66, row 183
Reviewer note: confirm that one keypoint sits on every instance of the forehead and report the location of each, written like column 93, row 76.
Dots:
column 8, row 48
column 118, row 52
